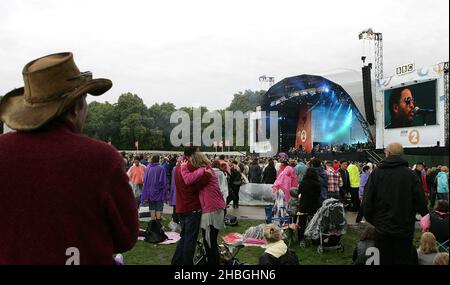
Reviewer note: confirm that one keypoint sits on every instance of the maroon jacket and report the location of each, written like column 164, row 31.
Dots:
column 60, row 189
column 187, row 196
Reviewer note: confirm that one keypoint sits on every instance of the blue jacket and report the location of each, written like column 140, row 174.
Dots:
column 442, row 182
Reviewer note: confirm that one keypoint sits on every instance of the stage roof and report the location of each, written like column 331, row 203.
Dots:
column 348, row 79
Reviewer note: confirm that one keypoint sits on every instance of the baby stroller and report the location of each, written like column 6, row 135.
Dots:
column 327, row 226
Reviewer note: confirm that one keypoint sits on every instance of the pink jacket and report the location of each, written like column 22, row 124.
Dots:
column 285, row 181
column 211, row 199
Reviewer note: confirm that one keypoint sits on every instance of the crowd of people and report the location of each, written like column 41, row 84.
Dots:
column 301, row 185
column 71, row 202
column 330, row 148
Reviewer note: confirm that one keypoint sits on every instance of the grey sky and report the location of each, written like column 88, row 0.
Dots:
column 205, row 51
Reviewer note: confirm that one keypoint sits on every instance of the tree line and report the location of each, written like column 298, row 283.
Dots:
column 130, row 120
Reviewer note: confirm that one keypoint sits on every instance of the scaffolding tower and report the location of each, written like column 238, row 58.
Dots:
column 369, row 34
column 446, row 118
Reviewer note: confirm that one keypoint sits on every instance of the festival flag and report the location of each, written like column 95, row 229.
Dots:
column 136, row 144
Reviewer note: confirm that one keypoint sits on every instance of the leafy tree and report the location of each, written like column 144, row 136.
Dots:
column 129, row 120
column 101, row 122
column 244, row 102
column 247, row 101
column 134, row 121
column 161, row 114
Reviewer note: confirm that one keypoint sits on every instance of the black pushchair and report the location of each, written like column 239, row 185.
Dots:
column 327, row 226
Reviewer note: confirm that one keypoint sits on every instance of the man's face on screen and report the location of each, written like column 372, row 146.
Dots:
column 405, row 109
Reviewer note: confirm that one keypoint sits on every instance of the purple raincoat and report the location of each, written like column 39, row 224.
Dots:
column 173, row 189
column 364, row 178
column 155, row 183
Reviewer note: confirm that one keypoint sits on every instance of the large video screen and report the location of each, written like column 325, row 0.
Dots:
column 410, row 106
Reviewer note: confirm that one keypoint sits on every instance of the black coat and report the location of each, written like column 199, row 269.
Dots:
column 289, row 258
column 310, row 199
column 270, row 175
column 254, row 173
column 345, row 180
column 392, row 197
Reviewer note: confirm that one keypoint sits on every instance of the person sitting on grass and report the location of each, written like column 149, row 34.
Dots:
column 427, row 250
column 366, row 241
column 277, row 252
column 441, row 259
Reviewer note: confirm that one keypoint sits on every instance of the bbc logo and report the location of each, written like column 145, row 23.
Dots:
column 407, row 68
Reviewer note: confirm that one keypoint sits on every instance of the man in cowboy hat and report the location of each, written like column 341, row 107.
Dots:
column 58, row 205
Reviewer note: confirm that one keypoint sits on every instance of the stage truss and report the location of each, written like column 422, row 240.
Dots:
column 446, row 103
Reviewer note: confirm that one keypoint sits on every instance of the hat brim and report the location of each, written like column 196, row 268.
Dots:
column 18, row 114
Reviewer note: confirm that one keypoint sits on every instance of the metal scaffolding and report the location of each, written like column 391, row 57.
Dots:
column 446, row 118
column 369, row 34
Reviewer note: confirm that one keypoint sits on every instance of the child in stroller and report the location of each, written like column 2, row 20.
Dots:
column 328, row 225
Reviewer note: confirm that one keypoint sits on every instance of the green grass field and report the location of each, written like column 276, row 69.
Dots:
column 154, row 254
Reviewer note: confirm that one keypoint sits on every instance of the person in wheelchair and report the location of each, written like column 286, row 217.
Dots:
column 277, row 252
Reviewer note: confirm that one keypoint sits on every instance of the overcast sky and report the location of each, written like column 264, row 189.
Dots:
column 205, row 51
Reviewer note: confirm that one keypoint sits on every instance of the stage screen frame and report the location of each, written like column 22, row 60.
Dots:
column 416, row 136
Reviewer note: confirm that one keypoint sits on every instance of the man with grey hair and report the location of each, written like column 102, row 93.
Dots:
column 392, row 197
column 70, row 209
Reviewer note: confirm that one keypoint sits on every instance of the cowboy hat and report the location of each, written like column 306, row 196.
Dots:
column 52, row 84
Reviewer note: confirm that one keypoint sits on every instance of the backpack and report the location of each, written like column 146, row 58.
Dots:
column 155, row 232
column 231, row 220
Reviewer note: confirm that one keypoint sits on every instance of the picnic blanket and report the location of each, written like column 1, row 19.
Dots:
column 173, row 237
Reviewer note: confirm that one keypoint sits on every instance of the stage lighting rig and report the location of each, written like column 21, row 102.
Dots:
column 270, row 79
column 369, row 34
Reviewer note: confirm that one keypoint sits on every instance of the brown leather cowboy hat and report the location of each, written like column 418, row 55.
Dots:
column 51, row 85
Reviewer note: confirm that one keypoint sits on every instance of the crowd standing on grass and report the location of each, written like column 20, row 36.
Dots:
column 361, row 187
column 96, row 204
